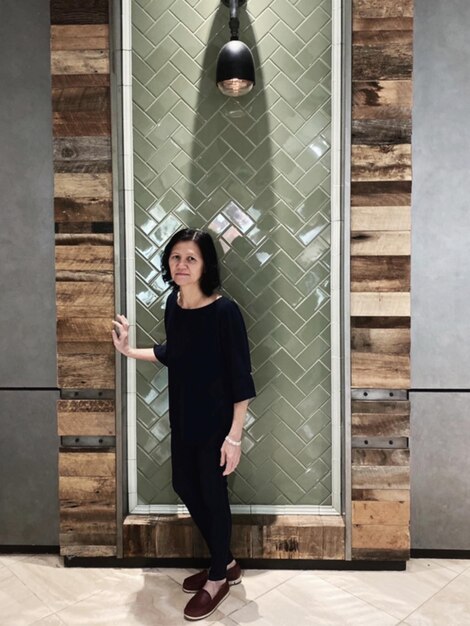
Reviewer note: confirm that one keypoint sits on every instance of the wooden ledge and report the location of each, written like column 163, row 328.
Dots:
column 253, row 536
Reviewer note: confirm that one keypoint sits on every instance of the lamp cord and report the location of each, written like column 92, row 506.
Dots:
column 234, row 22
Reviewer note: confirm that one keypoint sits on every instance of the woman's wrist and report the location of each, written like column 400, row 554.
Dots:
column 233, row 441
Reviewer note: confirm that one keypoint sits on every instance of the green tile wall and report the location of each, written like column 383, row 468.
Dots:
column 255, row 171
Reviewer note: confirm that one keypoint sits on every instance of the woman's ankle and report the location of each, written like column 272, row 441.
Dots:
column 231, row 564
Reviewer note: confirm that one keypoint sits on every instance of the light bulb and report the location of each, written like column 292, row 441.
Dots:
column 235, row 87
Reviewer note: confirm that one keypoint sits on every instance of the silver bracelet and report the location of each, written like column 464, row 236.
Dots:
column 234, row 443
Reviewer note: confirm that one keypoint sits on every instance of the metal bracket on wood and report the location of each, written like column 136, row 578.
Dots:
column 379, row 394
column 87, row 394
column 380, row 442
column 71, row 441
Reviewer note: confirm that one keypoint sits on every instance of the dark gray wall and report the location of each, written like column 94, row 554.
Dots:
column 441, row 196
column 440, row 277
column 27, row 299
column 28, row 439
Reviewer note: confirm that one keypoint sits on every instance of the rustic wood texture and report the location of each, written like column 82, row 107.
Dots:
column 253, row 536
column 83, row 12
column 80, row 37
column 379, row 163
column 380, row 419
column 375, row 243
column 380, row 273
column 382, row 8
column 81, row 105
column 365, row 304
column 381, row 513
column 86, row 417
column 380, row 218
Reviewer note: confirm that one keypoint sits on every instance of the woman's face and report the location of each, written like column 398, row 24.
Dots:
column 186, row 264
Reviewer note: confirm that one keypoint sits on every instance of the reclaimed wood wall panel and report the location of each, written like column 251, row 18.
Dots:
column 381, row 175
column 255, row 536
column 81, row 106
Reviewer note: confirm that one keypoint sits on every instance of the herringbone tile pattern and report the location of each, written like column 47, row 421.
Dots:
column 256, row 173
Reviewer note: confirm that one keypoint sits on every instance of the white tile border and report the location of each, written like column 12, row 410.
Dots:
column 335, row 297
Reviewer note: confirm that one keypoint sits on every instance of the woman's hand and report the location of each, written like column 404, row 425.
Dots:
column 121, row 335
column 230, row 457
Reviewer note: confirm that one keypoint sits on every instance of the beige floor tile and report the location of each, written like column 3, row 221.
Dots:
column 456, row 565
column 448, row 607
column 58, row 587
column 272, row 609
column 257, row 582
column 50, row 620
column 19, row 606
column 396, row 593
column 154, row 600
column 331, row 605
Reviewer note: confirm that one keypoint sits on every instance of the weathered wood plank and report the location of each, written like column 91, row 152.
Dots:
column 380, row 273
column 380, row 371
column 76, row 349
column 93, row 424
column 80, row 62
column 367, row 456
column 82, row 210
column 84, row 258
column 381, row 495
column 86, row 371
column 382, row 37
column 80, row 37
column 381, row 218
column 388, row 341
column 381, row 537
column 389, row 61
column 379, row 425
column 70, row 329
column 381, row 193
column 382, row 23
column 83, row 299
column 381, row 513
column 72, row 149
column 98, row 276
column 63, row 81
column 87, row 551
column 87, row 464
column 380, row 243
column 70, row 536
column 382, row 8
column 173, row 538
column 76, row 186
column 370, row 554
column 381, row 163
column 380, row 304
column 80, row 123
column 381, row 407
column 86, row 489
column 375, row 98
column 83, row 12
column 83, row 167
column 89, row 99
column 380, row 322
column 374, row 132
column 370, row 477
column 84, row 239
column 75, row 510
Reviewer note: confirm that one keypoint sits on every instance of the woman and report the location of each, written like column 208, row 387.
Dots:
column 210, row 384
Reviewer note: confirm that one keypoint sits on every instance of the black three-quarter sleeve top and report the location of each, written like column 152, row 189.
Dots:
column 209, row 368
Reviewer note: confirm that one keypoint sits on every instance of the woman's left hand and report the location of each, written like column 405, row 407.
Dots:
column 230, row 457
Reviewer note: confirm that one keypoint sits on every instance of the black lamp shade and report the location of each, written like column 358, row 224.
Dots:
column 235, row 74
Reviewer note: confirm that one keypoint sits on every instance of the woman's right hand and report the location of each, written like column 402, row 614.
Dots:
column 120, row 334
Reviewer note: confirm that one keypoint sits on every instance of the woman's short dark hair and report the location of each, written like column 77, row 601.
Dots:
column 210, row 279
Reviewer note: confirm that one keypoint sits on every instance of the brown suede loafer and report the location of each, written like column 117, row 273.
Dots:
column 194, row 583
column 202, row 604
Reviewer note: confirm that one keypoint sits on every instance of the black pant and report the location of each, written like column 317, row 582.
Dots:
column 198, row 480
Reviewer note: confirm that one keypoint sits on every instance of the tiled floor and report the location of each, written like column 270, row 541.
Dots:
column 39, row 590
